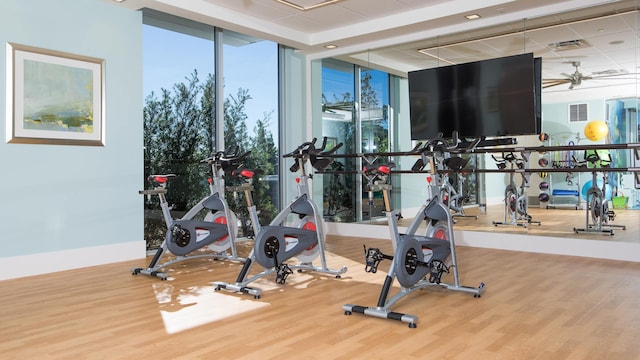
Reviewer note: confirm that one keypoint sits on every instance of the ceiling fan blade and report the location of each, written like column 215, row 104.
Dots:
column 605, row 72
column 555, row 80
column 616, row 76
column 555, row 84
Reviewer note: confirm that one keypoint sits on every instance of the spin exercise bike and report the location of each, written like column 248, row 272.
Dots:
column 455, row 199
column 516, row 204
column 597, row 204
column 419, row 261
column 184, row 236
column 304, row 239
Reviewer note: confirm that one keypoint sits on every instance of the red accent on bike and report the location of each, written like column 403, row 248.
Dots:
column 384, row 169
column 312, row 227
column 429, row 179
column 247, row 173
column 221, row 220
column 298, row 180
column 158, row 179
column 210, row 180
column 440, row 234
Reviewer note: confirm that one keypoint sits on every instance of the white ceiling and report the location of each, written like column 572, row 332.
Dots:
column 386, row 34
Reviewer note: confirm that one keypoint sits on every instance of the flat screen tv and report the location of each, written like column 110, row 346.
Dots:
column 489, row 98
column 537, row 82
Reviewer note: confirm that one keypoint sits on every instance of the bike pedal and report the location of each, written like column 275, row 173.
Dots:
column 282, row 272
column 437, row 268
column 373, row 258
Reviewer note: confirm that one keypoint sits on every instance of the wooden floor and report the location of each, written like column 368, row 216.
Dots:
column 536, row 306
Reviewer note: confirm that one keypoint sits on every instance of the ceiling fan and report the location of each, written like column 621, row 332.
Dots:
column 577, row 77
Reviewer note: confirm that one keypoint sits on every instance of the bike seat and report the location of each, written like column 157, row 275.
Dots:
column 383, row 169
column 245, row 173
column 161, row 179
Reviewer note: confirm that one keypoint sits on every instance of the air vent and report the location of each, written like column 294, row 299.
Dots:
column 569, row 45
column 578, row 113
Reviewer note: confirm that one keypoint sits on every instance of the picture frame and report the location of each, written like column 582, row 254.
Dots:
column 54, row 97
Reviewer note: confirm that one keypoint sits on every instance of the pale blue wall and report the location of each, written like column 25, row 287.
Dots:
column 293, row 131
column 409, row 189
column 555, row 120
column 60, row 197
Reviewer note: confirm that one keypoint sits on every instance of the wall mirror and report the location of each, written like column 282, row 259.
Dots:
column 589, row 63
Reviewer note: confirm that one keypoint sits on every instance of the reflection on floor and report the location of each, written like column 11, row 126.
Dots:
column 193, row 306
column 184, row 305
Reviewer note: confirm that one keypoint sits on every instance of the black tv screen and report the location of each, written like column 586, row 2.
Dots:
column 490, row 98
column 537, row 83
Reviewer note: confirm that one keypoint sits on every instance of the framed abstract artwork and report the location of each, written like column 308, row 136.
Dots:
column 54, row 97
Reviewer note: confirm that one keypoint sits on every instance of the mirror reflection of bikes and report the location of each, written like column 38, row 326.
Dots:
column 598, row 214
column 516, row 205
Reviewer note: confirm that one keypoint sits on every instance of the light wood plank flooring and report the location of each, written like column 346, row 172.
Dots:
column 536, row 306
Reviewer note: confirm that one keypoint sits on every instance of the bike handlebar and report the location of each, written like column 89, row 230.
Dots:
column 226, row 160
column 308, row 148
column 319, row 157
column 304, row 148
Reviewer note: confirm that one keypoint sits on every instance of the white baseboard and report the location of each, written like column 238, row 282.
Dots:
column 359, row 230
column 592, row 248
column 37, row 264
column 43, row 263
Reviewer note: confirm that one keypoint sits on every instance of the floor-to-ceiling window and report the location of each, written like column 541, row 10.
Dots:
column 374, row 127
column 339, row 126
column 181, row 88
column 178, row 81
column 250, row 76
column 374, row 99
column 355, row 103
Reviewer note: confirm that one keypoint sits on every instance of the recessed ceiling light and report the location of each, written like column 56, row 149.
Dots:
column 331, row 46
column 472, row 17
column 304, row 5
column 119, row 1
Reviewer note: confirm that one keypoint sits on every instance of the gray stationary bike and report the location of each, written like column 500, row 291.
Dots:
column 516, row 205
column 598, row 214
column 189, row 238
column 419, row 261
column 303, row 238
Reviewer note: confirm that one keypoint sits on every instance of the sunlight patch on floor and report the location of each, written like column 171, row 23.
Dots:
column 188, row 308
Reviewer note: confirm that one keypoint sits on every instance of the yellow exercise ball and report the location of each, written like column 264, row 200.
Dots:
column 596, row 130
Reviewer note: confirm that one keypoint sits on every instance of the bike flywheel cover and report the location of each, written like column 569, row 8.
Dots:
column 408, row 270
column 311, row 253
